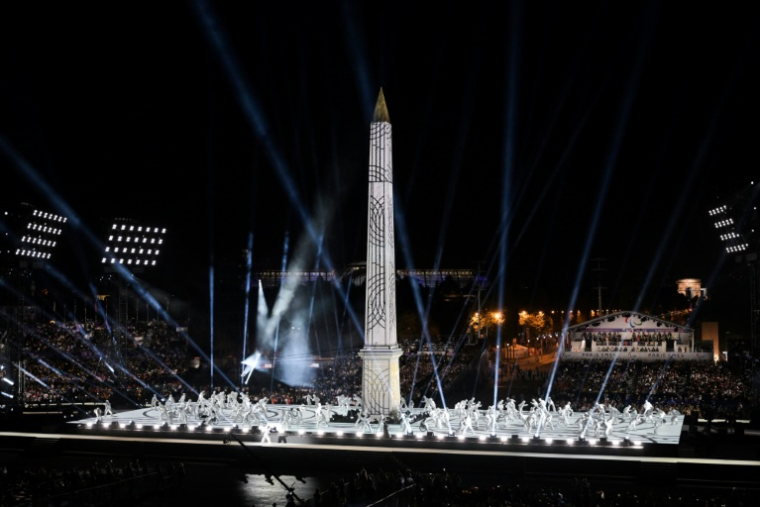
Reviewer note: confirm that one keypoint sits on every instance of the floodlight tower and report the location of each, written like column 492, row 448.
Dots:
column 738, row 227
column 133, row 246
column 29, row 237
column 130, row 248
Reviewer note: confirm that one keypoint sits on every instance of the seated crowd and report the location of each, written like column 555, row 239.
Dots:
column 76, row 363
column 84, row 363
column 691, row 387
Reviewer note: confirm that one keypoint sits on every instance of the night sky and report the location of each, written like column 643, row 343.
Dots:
column 592, row 131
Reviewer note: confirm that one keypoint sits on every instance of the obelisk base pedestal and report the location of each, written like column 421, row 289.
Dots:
column 381, row 384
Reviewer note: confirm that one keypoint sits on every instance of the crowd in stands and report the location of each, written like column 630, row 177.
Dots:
column 73, row 362
column 84, row 363
column 699, row 387
column 80, row 363
column 419, row 366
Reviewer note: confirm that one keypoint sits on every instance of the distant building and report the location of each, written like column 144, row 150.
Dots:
column 691, row 287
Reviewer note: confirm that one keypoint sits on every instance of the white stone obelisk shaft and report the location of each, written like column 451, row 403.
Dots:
column 380, row 355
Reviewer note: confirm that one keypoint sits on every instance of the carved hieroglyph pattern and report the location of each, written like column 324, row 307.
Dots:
column 380, row 380
column 381, row 386
column 376, row 396
column 380, row 318
column 380, row 153
column 390, row 273
column 376, row 294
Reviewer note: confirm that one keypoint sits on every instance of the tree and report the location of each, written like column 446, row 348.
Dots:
column 538, row 321
column 482, row 323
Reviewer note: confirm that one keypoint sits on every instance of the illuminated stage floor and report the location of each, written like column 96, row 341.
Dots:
column 149, row 418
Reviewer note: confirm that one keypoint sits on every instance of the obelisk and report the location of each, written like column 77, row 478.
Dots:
column 381, row 387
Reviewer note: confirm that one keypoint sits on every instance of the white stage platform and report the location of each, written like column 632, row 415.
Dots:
column 150, row 418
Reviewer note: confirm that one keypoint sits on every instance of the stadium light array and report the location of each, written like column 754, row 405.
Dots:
column 133, row 245
column 724, row 223
column 34, row 233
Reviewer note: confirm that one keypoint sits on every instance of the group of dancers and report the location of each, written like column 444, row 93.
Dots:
column 466, row 417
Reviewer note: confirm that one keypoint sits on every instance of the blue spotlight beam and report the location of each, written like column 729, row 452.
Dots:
column 507, row 175
column 612, row 156
column 254, row 114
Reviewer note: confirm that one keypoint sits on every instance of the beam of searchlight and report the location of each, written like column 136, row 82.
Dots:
column 256, row 118
column 246, row 309
column 403, row 237
column 622, row 123
column 507, row 194
column 356, row 48
column 211, row 318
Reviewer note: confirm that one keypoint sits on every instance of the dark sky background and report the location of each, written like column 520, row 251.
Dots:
column 585, row 131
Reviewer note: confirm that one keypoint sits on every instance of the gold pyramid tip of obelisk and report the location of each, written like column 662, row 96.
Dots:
column 381, row 110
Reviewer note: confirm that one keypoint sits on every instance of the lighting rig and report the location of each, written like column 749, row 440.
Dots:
column 736, row 222
column 130, row 248
column 134, row 245
column 29, row 237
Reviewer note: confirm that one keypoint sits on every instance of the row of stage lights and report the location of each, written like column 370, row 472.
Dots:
column 39, row 241
column 719, row 209
column 514, row 439
column 153, row 241
column 136, row 262
column 150, row 251
column 43, row 228
column 737, row 248
column 22, row 252
column 49, row 216
column 138, row 228
column 730, row 235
